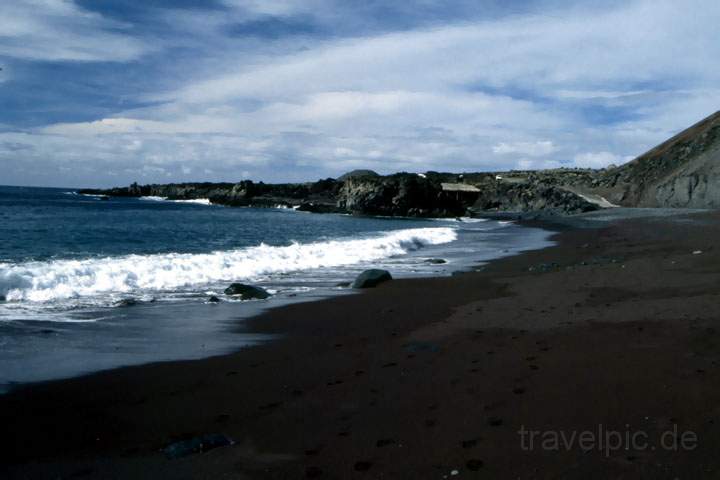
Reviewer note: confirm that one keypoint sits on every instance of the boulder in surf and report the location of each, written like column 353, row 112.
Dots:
column 247, row 292
column 371, row 278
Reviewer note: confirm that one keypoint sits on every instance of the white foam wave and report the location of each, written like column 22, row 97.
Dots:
column 461, row 219
column 198, row 201
column 91, row 195
column 72, row 279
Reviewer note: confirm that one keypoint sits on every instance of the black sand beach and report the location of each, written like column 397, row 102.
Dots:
column 614, row 329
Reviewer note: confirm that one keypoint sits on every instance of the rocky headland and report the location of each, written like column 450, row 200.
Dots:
column 682, row 172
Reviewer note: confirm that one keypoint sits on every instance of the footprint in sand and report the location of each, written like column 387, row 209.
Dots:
column 313, row 472
column 495, row 421
column 362, row 466
column 474, row 465
column 384, row 442
column 469, row 443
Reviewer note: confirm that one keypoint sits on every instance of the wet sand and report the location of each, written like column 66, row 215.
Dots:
column 429, row 378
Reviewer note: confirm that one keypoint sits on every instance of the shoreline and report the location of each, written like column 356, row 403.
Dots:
column 419, row 378
column 36, row 347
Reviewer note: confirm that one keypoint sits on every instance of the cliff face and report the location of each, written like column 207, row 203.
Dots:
column 397, row 195
column 682, row 172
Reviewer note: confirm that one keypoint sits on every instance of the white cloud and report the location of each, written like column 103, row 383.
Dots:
column 536, row 164
column 105, row 126
column 274, row 7
column 60, row 30
column 470, row 96
column 533, row 149
column 597, row 94
column 561, row 52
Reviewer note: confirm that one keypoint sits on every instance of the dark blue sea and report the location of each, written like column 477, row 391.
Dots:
column 90, row 283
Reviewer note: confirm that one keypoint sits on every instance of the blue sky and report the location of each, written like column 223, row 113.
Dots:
column 101, row 93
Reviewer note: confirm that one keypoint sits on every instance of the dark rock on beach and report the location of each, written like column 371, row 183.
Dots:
column 126, row 302
column 247, row 292
column 371, row 278
column 213, row 299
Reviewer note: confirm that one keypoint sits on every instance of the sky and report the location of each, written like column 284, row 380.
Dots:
column 105, row 93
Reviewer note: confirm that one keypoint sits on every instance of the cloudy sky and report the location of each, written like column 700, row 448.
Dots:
column 101, row 93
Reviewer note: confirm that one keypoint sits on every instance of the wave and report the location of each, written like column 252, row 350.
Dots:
column 91, row 195
column 460, row 219
column 198, row 201
column 71, row 279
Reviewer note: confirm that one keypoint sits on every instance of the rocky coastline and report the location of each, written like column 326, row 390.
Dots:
column 683, row 172
column 430, row 194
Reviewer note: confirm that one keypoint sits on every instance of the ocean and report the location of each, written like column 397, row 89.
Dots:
column 89, row 283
